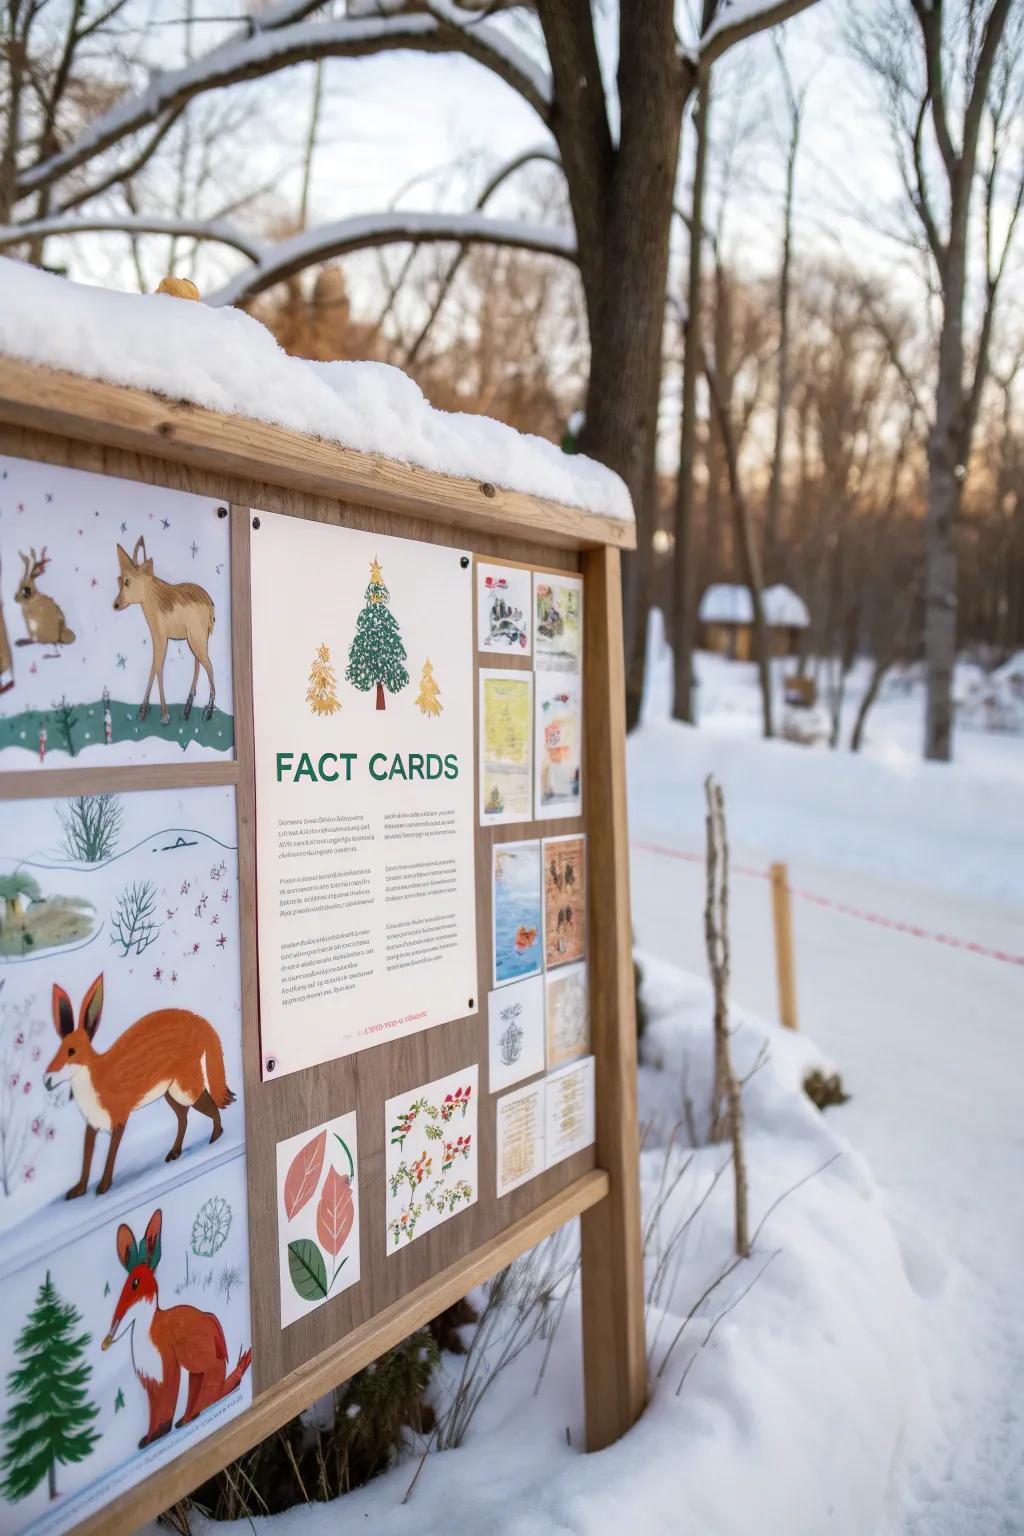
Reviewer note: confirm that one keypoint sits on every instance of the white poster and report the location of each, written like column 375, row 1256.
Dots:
column 115, row 621
column 570, row 1110
column 503, row 609
column 317, row 1216
column 558, row 737
column 558, row 622
column 363, row 719
column 568, row 1014
column 515, row 1016
column 431, row 1155
column 123, row 1346
column 519, row 1138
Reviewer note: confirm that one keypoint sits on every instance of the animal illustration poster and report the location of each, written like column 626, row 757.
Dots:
column 122, row 1346
column 519, row 1136
column 363, row 717
column 115, row 601
column 569, row 1109
column 504, row 611
column 567, row 1010
column 515, row 1018
column 516, row 910
column 558, row 733
column 120, row 1006
column 431, row 1164
column 506, row 741
column 558, row 622
column 317, row 1216
column 564, row 861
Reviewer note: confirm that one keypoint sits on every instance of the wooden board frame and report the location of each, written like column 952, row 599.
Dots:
column 65, row 420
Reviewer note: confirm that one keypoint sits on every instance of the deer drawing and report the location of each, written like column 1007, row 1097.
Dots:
column 44, row 620
column 168, row 1340
column 170, row 1054
column 174, row 611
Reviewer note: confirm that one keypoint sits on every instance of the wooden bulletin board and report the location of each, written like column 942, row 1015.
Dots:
column 62, row 420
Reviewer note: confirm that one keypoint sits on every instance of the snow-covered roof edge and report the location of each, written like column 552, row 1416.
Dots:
column 224, row 360
column 729, row 603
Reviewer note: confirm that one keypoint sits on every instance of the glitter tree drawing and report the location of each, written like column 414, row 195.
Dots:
column 321, row 695
column 376, row 654
column 428, row 700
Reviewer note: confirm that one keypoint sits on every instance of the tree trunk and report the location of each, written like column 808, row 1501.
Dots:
column 748, row 548
column 774, row 529
column 380, row 695
column 878, row 675
column 945, row 482
column 622, row 207
column 684, row 575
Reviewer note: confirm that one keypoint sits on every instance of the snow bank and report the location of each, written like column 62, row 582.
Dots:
column 728, row 603
column 789, row 1418
column 226, row 361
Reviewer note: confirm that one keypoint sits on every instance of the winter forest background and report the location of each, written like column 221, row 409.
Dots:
column 847, row 412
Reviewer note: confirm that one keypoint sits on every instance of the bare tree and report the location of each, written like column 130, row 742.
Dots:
column 952, row 78
column 794, row 108
column 620, row 184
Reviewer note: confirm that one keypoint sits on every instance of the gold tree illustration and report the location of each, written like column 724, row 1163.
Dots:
column 428, row 700
column 320, row 695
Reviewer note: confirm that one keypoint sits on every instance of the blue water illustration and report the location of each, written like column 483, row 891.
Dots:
column 517, row 913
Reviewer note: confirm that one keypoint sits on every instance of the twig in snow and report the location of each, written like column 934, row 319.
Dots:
column 724, row 1313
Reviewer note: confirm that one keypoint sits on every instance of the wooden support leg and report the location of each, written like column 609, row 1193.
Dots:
column 783, row 921
column 614, row 1352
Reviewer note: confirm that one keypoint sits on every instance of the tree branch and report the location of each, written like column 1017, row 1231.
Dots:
column 735, row 24
column 214, row 230
column 268, row 50
column 314, row 246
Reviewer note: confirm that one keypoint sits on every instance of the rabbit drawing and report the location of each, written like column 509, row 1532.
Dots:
column 44, row 620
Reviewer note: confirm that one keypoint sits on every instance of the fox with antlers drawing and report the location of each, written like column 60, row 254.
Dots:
column 174, row 611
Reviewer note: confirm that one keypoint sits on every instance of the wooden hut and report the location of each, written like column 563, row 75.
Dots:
column 726, row 618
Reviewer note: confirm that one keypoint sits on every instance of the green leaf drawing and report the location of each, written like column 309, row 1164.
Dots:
column 307, row 1269
column 348, row 1154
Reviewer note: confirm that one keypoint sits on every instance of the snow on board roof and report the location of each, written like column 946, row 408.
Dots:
column 726, row 603
column 226, row 361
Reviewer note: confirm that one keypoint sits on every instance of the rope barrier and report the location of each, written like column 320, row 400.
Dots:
column 879, row 921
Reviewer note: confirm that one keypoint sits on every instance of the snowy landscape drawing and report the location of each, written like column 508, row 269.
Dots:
column 115, row 621
column 119, row 976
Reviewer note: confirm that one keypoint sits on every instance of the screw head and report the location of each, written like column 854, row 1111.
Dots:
column 472, row 1002
column 255, row 522
column 222, row 511
column 464, row 561
column 271, row 1063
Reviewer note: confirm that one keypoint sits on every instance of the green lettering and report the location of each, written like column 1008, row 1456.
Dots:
column 284, row 764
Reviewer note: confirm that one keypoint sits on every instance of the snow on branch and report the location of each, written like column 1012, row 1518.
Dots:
column 327, row 241
column 217, row 231
column 741, row 19
column 264, row 51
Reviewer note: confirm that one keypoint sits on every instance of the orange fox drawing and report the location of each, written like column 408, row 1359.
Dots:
column 168, row 1340
column 171, row 1053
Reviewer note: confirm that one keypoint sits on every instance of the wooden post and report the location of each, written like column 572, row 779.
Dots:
column 614, row 1351
column 783, row 921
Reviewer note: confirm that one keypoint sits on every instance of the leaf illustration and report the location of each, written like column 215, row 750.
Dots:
column 304, row 1175
column 307, row 1269
column 336, row 1212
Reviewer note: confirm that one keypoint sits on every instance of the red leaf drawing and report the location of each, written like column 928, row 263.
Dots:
column 304, row 1175
column 336, row 1212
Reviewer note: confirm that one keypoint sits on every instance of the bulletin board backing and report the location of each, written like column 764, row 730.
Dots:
column 396, row 1293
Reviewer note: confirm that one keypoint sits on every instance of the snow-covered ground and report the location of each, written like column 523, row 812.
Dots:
column 927, row 1035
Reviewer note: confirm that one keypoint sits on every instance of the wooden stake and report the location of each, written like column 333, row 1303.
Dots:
column 782, row 915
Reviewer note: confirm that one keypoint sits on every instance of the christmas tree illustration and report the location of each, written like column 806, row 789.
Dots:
column 49, row 1413
column 376, row 654
column 320, row 695
column 429, row 697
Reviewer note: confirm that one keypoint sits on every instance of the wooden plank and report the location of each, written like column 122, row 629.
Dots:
column 47, row 783
column 124, row 1515
column 782, row 916
column 91, row 411
column 614, row 1351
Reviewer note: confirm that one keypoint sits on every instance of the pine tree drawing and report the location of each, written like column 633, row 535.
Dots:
column 428, row 700
column 49, row 1413
column 376, row 654
column 320, row 695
